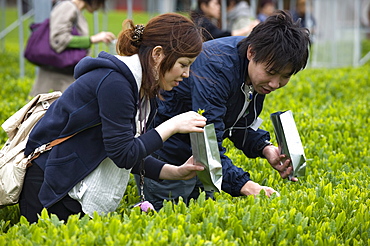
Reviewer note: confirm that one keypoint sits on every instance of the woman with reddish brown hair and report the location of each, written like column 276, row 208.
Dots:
column 109, row 107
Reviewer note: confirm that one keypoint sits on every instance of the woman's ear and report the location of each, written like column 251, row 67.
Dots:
column 157, row 54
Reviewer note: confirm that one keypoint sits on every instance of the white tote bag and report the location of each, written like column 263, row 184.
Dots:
column 103, row 189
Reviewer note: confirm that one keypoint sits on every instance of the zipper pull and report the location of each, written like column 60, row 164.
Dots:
column 230, row 132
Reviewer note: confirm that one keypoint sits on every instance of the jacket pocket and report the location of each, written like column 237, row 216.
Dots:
column 62, row 173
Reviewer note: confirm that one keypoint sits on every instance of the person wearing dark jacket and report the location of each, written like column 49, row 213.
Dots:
column 229, row 81
column 109, row 106
column 208, row 14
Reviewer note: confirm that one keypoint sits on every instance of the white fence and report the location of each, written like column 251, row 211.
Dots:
column 338, row 33
column 340, row 27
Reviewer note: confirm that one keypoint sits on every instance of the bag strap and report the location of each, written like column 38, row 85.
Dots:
column 46, row 147
column 142, row 131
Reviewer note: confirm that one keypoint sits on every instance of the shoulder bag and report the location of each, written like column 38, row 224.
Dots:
column 13, row 162
column 39, row 52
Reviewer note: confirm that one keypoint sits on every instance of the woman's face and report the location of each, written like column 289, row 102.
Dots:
column 212, row 10
column 178, row 72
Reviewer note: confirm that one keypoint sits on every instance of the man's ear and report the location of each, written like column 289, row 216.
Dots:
column 250, row 53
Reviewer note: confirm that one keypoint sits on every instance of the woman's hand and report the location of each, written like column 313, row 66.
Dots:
column 186, row 171
column 105, row 37
column 182, row 123
column 252, row 188
column 278, row 162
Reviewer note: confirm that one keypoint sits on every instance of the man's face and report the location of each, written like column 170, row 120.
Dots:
column 263, row 79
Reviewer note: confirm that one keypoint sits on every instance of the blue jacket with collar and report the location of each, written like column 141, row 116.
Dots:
column 215, row 85
column 102, row 103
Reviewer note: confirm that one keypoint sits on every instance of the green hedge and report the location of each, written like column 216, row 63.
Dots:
column 329, row 206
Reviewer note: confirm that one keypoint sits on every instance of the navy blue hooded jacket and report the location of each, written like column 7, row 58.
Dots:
column 215, row 85
column 102, row 103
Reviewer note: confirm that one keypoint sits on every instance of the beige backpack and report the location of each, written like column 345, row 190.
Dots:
column 13, row 162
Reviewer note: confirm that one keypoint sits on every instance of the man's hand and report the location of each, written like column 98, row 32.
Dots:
column 278, row 162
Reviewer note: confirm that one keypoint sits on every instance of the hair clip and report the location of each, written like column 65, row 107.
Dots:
column 138, row 32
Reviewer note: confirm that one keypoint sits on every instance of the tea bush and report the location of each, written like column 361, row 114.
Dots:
column 329, row 206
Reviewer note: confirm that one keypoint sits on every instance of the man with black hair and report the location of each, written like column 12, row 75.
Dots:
column 230, row 80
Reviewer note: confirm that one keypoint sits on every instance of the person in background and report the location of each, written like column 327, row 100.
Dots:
column 65, row 15
column 109, row 107
column 265, row 9
column 307, row 20
column 230, row 80
column 239, row 15
column 207, row 16
column 365, row 16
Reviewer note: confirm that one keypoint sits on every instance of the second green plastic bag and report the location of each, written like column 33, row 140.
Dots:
column 205, row 151
column 289, row 141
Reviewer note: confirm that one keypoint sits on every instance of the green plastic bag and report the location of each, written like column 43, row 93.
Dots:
column 205, row 152
column 289, row 141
